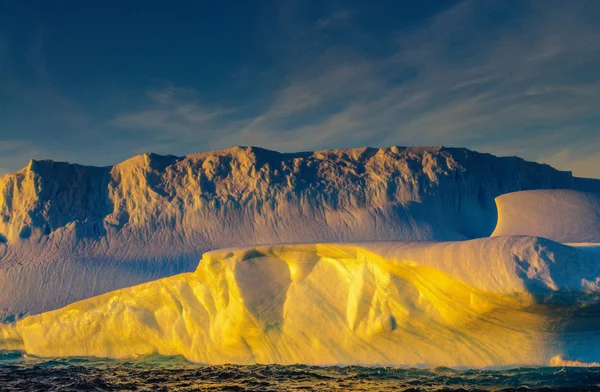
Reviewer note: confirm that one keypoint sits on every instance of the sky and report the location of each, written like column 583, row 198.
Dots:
column 96, row 82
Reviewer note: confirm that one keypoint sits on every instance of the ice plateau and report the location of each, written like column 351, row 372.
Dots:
column 70, row 232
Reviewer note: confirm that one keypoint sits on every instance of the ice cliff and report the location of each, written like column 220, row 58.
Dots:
column 69, row 232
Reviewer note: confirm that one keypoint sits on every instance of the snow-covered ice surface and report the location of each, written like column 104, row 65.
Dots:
column 502, row 301
column 559, row 214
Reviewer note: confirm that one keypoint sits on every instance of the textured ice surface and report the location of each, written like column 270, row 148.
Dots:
column 561, row 215
column 69, row 232
column 486, row 302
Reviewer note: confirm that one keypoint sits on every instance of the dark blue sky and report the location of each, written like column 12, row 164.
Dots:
column 98, row 82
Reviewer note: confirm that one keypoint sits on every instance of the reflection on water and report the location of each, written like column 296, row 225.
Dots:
column 21, row 373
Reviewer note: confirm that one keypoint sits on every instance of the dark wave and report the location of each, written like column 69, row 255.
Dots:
column 155, row 373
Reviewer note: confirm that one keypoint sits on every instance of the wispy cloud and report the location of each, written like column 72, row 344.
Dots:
column 32, row 104
column 16, row 149
column 527, row 87
column 336, row 16
column 174, row 108
column 37, row 119
column 517, row 77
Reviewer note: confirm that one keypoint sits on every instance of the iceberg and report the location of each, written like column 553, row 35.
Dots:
column 500, row 301
column 423, row 256
column 70, row 232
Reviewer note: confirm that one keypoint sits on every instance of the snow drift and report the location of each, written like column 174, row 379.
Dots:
column 560, row 215
column 486, row 302
column 69, row 232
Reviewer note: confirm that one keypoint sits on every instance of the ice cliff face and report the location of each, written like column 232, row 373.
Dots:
column 64, row 226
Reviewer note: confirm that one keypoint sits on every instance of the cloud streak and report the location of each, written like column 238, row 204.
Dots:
column 523, row 83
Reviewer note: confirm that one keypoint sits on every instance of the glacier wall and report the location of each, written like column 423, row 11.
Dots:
column 62, row 225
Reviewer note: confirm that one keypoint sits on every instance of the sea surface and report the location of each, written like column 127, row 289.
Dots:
column 19, row 372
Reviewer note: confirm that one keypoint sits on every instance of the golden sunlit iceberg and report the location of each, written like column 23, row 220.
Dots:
column 486, row 302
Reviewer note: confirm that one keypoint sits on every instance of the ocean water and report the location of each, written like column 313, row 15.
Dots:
column 18, row 372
